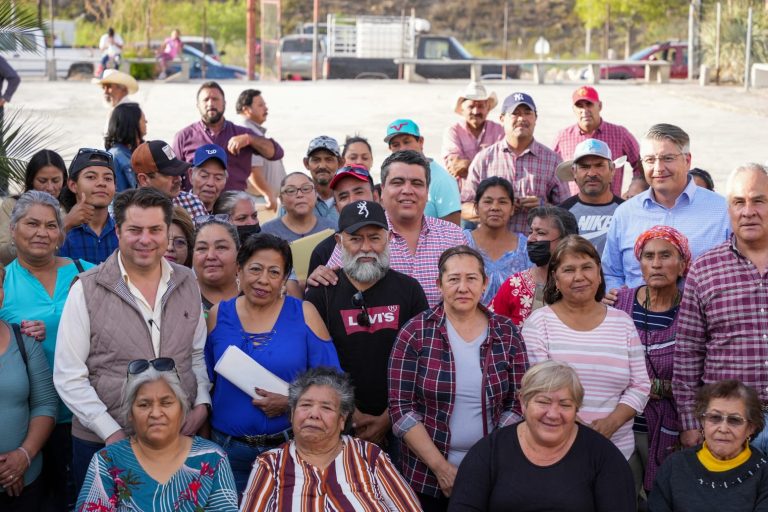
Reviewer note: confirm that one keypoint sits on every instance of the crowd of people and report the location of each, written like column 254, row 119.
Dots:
column 501, row 328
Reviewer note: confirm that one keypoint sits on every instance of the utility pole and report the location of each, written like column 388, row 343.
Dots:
column 250, row 39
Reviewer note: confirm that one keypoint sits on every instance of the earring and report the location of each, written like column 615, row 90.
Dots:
column 237, row 283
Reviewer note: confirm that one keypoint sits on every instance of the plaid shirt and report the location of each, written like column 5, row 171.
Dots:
column 435, row 237
column 532, row 174
column 459, row 142
column 722, row 329
column 83, row 243
column 422, row 384
column 190, row 202
column 618, row 139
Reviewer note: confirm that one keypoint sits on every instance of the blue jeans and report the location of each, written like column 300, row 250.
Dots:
column 761, row 441
column 82, row 453
column 241, row 457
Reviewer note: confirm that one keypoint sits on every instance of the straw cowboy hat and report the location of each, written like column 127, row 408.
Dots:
column 113, row 76
column 476, row 92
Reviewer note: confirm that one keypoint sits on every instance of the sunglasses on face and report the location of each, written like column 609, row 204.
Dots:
column 161, row 364
column 363, row 319
column 715, row 418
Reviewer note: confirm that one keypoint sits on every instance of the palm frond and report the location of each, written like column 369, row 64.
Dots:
column 17, row 26
column 22, row 134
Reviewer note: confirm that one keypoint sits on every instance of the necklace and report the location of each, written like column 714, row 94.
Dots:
column 646, row 330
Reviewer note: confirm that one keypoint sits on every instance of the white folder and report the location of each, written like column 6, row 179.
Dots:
column 245, row 373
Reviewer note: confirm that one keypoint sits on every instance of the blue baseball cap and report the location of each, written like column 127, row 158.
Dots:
column 516, row 99
column 588, row 147
column 205, row 153
column 401, row 127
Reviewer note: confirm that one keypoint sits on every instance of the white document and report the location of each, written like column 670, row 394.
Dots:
column 245, row 373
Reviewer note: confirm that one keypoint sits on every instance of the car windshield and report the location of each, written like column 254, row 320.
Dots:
column 302, row 45
column 642, row 54
column 463, row 51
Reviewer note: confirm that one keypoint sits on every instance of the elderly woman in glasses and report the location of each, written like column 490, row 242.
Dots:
column 283, row 334
column 356, row 474
column 157, row 468
column 298, row 196
column 454, row 373
column 725, row 472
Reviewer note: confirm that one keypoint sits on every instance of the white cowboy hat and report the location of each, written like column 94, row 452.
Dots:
column 477, row 92
column 113, row 76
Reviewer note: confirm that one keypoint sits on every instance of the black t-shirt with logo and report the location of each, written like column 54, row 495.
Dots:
column 364, row 351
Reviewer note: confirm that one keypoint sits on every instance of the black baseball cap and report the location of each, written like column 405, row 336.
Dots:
column 157, row 156
column 360, row 214
column 87, row 157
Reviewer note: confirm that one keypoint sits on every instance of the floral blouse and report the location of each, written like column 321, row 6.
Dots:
column 514, row 299
column 116, row 482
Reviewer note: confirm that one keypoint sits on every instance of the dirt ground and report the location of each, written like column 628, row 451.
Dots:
column 727, row 125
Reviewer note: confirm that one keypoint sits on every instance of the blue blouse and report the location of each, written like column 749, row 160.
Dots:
column 116, row 481
column 499, row 270
column 27, row 299
column 288, row 350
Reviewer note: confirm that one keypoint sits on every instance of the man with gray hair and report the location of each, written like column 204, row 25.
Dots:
column 364, row 311
column 721, row 327
column 673, row 199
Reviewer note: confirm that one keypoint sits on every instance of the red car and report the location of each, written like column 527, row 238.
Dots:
column 674, row 52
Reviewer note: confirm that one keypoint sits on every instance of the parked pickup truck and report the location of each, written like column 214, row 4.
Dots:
column 69, row 61
column 366, row 46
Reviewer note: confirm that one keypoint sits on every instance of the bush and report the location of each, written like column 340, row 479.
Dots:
column 733, row 37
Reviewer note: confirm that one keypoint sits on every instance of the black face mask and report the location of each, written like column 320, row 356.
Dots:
column 538, row 252
column 245, row 231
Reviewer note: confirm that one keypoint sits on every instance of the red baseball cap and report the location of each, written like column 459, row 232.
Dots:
column 585, row 92
column 353, row 171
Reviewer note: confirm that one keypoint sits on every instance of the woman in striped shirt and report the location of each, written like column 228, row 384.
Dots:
column 322, row 469
column 664, row 258
column 599, row 342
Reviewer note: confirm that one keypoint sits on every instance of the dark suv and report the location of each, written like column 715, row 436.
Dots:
column 674, row 52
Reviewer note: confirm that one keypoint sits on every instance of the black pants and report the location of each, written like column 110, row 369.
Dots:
column 29, row 501
column 57, row 478
column 432, row 504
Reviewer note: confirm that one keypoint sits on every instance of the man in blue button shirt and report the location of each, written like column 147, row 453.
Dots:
column 673, row 199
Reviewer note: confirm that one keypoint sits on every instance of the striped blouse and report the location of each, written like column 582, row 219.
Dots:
column 608, row 359
column 360, row 478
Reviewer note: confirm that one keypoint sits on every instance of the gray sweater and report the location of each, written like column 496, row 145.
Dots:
column 683, row 484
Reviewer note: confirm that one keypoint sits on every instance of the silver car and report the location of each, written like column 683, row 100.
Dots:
column 294, row 56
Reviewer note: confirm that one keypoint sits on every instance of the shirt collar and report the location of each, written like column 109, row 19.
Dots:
column 424, row 226
column 533, row 148
column 688, row 194
column 599, row 129
column 166, row 269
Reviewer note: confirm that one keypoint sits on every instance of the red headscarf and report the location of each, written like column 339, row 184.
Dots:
column 667, row 234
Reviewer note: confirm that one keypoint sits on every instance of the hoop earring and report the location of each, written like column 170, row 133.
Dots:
column 237, row 283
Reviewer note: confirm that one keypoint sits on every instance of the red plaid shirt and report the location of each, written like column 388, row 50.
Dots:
column 459, row 142
column 422, row 384
column 190, row 202
column 618, row 139
column 722, row 329
column 531, row 174
column 436, row 236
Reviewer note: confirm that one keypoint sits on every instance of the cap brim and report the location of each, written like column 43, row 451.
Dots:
column 340, row 176
column 177, row 168
column 565, row 171
column 354, row 227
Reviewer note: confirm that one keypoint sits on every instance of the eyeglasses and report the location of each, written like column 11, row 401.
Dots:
column 178, row 242
column 161, row 364
column 650, row 160
column 304, row 189
column 363, row 319
column 715, row 418
column 219, row 217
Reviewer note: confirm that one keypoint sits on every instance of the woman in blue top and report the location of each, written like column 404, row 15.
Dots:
column 283, row 334
column 28, row 405
column 36, row 286
column 125, row 131
column 157, row 468
column 504, row 252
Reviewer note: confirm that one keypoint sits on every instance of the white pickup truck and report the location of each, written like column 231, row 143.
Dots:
column 69, row 61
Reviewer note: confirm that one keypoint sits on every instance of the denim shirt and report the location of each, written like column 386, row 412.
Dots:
column 124, row 176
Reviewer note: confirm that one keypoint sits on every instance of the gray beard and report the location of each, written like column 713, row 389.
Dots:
column 364, row 272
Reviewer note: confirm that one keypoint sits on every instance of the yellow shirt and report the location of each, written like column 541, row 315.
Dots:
column 718, row 466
